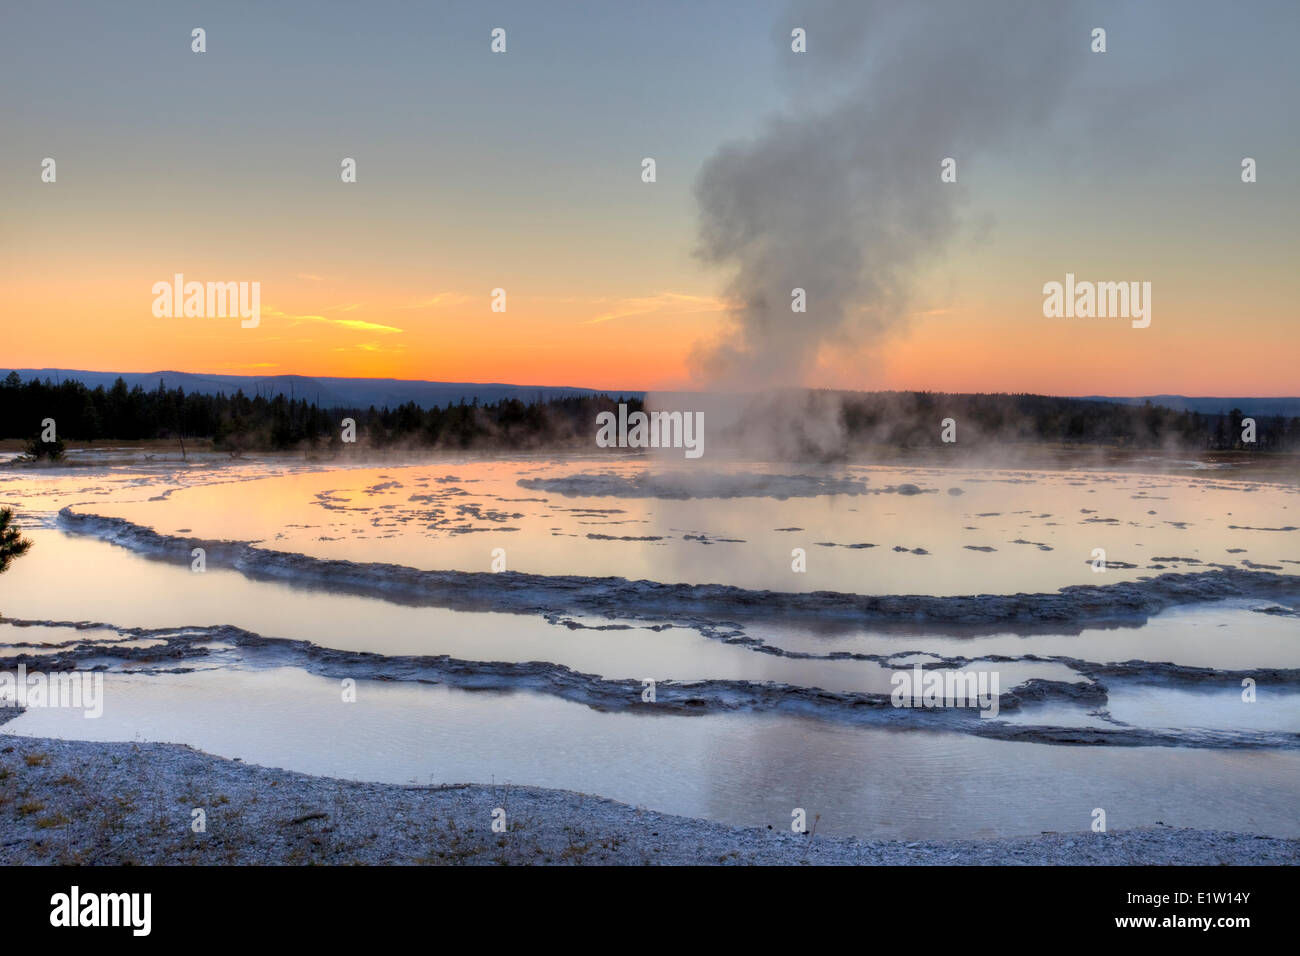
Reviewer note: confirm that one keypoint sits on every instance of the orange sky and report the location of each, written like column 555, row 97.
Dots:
column 623, row 306
column 524, row 172
column 970, row 329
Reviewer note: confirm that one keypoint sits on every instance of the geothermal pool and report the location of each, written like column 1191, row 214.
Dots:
column 501, row 621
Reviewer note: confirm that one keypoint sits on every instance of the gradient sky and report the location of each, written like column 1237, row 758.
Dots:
column 522, row 171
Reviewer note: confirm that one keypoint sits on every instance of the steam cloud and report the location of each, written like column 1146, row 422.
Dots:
column 843, row 199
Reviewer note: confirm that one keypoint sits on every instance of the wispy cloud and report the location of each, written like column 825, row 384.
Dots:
column 673, row 303
column 369, row 347
column 438, row 301
column 356, row 325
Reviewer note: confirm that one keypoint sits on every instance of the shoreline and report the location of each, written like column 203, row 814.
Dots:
column 611, row 596
column 181, row 649
column 90, row 803
column 1254, row 466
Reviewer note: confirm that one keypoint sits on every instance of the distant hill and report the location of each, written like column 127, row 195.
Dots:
column 1290, row 407
column 391, row 392
column 326, row 392
column 790, row 424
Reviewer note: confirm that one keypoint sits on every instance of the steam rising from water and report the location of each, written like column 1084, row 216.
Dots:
column 843, row 198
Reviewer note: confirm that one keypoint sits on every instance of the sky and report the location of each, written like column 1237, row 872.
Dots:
column 522, row 171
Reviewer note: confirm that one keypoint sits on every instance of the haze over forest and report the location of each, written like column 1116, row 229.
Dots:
column 333, row 392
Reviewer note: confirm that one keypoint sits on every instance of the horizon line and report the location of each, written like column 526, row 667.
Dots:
column 593, row 388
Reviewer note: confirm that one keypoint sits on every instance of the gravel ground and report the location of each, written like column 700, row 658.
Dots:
column 77, row 802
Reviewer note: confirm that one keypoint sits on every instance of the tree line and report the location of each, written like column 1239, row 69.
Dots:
column 892, row 418
column 237, row 422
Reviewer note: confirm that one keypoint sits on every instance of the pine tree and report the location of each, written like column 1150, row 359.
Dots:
column 12, row 544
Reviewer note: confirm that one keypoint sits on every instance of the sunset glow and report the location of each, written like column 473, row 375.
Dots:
column 458, row 194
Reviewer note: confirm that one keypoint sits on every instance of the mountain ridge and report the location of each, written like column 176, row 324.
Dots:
column 327, row 391
column 349, row 392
